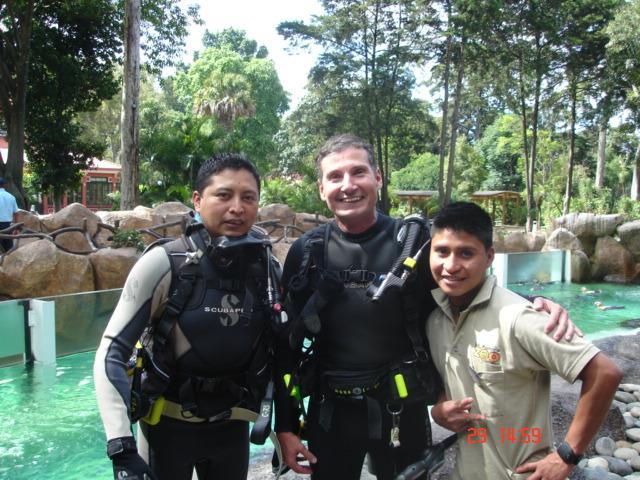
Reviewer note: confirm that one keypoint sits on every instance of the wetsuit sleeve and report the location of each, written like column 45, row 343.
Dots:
column 286, row 411
column 143, row 297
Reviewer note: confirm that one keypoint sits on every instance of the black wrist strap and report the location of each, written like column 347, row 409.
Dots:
column 116, row 446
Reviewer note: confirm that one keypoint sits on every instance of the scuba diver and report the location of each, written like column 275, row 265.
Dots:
column 200, row 314
column 358, row 292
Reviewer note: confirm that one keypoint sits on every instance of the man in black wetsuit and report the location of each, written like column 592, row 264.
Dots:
column 353, row 409
column 216, row 348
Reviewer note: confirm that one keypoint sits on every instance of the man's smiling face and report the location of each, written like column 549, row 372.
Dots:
column 459, row 263
column 349, row 186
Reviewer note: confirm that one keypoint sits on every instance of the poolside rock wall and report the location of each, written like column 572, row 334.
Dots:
column 77, row 261
column 603, row 247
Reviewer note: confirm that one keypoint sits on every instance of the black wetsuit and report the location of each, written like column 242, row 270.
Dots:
column 357, row 335
column 219, row 334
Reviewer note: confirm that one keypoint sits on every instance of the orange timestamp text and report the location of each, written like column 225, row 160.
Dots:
column 507, row 435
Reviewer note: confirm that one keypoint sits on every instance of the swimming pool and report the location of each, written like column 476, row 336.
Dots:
column 50, row 426
column 594, row 323
column 50, row 423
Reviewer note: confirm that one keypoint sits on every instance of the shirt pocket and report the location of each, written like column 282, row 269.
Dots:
column 488, row 387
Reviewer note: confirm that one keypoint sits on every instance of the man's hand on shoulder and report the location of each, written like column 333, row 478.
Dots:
column 559, row 317
column 294, row 451
column 550, row 467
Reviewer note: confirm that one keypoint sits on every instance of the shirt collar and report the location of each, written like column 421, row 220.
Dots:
column 483, row 296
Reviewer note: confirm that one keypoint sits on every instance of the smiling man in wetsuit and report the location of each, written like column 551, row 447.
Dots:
column 199, row 306
column 364, row 352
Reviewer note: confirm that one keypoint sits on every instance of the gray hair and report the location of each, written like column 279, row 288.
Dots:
column 340, row 143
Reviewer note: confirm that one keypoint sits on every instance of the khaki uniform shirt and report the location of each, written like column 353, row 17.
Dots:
column 498, row 353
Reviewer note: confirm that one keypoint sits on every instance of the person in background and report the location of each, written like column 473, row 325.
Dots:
column 495, row 358
column 8, row 213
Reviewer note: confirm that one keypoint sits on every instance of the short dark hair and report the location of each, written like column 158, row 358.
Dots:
column 465, row 217
column 220, row 162
column 339, row 143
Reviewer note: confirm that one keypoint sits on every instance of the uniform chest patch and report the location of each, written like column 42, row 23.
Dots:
column 487, row 354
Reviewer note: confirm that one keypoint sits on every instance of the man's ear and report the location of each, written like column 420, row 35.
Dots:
column 195, row 198
column 491, row 254
column 321, row 191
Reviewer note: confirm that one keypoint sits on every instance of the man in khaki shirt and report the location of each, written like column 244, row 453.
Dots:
column 490, row 347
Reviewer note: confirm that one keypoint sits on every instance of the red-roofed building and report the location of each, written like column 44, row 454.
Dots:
column 101, row 179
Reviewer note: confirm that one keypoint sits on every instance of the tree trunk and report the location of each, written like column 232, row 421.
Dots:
column 130, row 94
column 572, row 140
column 635, row 184
column 454, row 126
column 14, row 72
column 531, row 173
column 445, row 116
column 602, row 144
column 525, row 136
column 13, row 172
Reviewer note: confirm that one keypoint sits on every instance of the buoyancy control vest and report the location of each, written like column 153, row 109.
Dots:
column 364, row 314
column 224, row 300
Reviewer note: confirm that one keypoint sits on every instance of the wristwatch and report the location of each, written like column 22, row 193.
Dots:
column 568, row 456
column 116, row 446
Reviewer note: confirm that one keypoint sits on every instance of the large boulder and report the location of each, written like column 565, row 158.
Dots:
column 170, row 212
column 308, row 221
column 73, row 215
column 580, row 267
column 589, row 224
column 515, row 242
column 30, row 221
column 138, row 218
column 41, row 269
column 588, row 227
column 562, row 239
column 629, row 234
column 612, row 258
column 74, row 242
column 112, row 265
column 276, row 212
column 535, row 241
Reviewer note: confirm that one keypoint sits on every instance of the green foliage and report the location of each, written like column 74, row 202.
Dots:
column 235, row 40
column 300, row 195
column 127, row 238
column 501, row 149
column 156, row 193
column 114, row 198
column 243, row 99
column 469, row 170
column 420, row 174
column 630, row 208
column 74, row 48
column 164, row 29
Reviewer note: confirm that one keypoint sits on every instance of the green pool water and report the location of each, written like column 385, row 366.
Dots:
column 49, row 423
column 594, row 323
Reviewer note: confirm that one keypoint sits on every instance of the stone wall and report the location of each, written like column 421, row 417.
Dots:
column 604, row 247
column 70, row 251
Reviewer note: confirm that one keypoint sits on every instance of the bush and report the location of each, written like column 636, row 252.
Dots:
column 300, row 195
column 127, row 238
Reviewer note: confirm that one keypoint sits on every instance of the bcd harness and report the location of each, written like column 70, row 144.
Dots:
column 153, row 365
column 409, row 379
